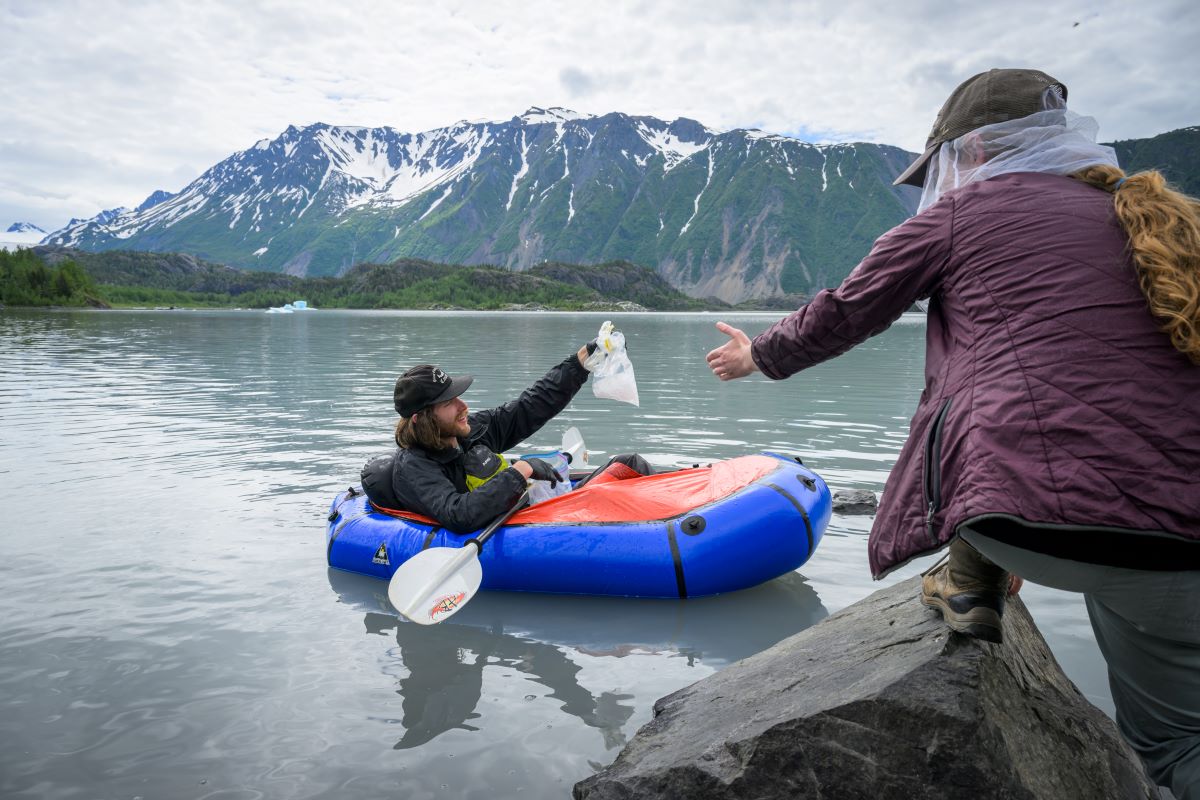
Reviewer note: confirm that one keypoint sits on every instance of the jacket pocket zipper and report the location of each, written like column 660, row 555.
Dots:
column 933, row 470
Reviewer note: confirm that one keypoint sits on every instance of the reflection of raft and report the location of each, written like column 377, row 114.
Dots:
column 507, row 633
column 709, row 629
column 688, row 533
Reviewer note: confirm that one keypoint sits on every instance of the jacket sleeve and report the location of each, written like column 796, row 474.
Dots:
column 905, row 264
column 421, row 486
column 508, row 425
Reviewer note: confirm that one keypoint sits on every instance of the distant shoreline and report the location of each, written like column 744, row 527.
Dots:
column 123, row 279
column 907, row 316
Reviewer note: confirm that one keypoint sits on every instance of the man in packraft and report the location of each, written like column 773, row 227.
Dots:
column 449, row 464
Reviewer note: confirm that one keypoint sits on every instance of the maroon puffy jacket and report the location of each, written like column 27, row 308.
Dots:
column 1050, row 394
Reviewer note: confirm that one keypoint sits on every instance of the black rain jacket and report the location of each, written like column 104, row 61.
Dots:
column 435, row 483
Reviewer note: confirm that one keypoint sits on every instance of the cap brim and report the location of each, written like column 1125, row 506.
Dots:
column 915, row 174
column 457, row 386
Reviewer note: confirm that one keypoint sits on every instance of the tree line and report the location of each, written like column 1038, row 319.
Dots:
column 50, row 276
column 26, row 280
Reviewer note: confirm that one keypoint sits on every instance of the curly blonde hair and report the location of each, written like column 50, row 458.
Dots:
column 1163, row 227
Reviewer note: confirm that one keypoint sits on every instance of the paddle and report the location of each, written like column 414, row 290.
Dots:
column 572, row 444
column 436, row 583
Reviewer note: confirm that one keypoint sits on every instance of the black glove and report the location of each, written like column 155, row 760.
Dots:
column 543, row 471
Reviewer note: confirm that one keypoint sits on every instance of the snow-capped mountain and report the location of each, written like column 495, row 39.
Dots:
column 733, row 214
column 21, row 234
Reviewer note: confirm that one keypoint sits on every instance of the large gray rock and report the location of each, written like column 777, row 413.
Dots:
column 881, row 700
column 855, row 501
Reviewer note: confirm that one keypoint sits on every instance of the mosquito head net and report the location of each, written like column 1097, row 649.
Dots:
column 1055, row 141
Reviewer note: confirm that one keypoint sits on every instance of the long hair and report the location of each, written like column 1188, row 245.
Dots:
column 419, row 430
column 1163, row 227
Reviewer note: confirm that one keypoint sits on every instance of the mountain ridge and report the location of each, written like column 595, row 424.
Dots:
column 735, row 215
column 707, row 209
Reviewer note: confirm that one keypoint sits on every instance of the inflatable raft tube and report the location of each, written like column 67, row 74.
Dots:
column 689, row 533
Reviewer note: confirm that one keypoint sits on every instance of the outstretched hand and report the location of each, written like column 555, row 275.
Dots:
column 732, row 360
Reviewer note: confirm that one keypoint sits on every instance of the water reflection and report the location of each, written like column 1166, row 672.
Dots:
column 445, row 666
column 536, row 635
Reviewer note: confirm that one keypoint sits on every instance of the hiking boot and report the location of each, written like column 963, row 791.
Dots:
column 969, row 592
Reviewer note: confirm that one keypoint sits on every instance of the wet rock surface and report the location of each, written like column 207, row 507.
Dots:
column 854, row 501
column 881, row 700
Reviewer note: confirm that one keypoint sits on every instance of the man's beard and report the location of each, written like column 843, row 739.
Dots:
column 449, row 430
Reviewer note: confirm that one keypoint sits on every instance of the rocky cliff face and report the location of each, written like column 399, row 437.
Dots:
column 881, row 701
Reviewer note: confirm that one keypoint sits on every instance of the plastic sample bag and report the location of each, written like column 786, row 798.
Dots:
column 612, row 371
column 542, row 490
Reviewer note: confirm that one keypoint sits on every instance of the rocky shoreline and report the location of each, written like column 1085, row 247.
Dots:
column 881, row 700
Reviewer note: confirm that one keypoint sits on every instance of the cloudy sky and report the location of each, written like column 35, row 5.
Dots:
column 105, row 101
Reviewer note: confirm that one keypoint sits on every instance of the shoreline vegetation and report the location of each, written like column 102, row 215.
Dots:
column 46, row 276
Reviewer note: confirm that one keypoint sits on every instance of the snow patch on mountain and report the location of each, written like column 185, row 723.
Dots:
column 356, row 152
column 696, row 202
column 674, row 149
column 436, row 203
column 520, row 172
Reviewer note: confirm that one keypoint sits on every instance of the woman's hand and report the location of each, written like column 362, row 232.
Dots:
column 732, row 359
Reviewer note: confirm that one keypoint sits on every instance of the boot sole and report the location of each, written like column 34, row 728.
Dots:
column 978, row 623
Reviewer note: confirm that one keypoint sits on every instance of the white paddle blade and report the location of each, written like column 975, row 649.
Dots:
column 435, row 583
column 572, row 442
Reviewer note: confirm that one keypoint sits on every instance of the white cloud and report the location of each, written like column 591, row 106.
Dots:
column 108, row 101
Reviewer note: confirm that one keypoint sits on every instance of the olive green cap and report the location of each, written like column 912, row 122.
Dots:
column 997, row 95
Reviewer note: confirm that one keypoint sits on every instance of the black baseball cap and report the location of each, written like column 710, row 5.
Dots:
column 425, row 385
column 997, row 95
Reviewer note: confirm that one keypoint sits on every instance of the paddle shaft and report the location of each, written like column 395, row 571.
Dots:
column 490, row 530
column 465, row 555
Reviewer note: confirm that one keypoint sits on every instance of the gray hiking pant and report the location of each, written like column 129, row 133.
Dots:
column 1148, row 627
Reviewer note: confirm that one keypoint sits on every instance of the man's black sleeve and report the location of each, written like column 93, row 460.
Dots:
column 515, row 421
column 421, row 486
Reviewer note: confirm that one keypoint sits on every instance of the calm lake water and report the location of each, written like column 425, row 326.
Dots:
column 169, row 629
